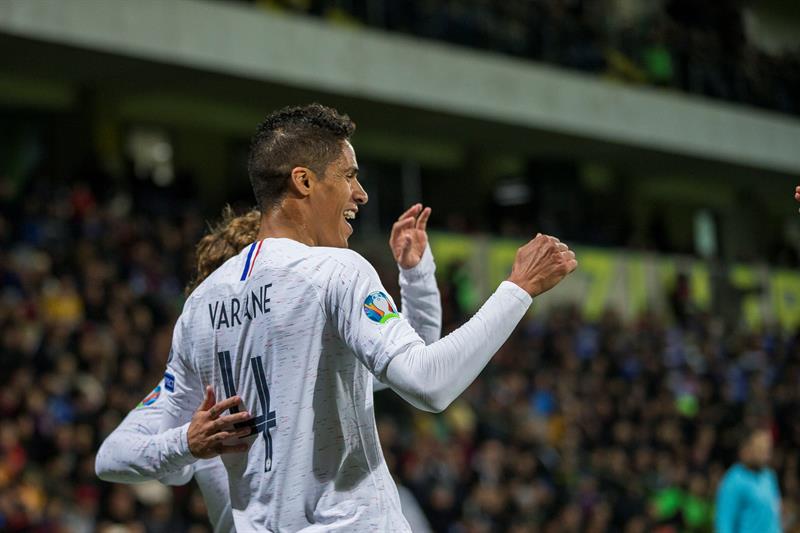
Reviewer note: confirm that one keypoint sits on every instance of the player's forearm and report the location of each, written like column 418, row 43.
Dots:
column 131, row 456
column 431, row 377
column 420, row 298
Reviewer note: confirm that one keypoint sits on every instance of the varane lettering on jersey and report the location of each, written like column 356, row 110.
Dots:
column 231, row 312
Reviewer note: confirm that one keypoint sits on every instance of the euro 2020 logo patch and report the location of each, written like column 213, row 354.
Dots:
column 151, row 398
column 378, row 308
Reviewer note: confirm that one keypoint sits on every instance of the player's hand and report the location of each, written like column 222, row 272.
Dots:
column 209, row 428
column 409, row 239
column 797, row 193
column 541, row 264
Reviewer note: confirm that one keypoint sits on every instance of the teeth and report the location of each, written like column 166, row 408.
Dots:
column 349, row 214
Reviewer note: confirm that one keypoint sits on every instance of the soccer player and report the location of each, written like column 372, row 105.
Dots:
column 748, row 497
column 130, row 453
column 297, row 326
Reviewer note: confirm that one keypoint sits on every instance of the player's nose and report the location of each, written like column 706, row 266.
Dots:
column 360, row 196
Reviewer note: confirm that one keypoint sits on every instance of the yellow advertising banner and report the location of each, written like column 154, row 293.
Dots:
column 631, row 283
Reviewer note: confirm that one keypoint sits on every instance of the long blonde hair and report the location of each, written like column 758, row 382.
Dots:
column 226, row 239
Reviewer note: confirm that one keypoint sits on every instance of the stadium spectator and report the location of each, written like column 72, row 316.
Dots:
column 669, row 43
column 748, row 498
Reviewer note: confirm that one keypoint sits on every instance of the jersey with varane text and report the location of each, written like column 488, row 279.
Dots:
column 295, row 331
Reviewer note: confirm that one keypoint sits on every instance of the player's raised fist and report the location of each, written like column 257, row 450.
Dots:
column 209, row 428
column 541, row 264
column 409, row 237
column 797, row 193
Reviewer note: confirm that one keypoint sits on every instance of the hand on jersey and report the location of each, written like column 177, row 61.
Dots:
column 409, row 238
column 209, row 428
column 541, row 264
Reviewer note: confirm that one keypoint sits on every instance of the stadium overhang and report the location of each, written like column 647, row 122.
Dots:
column 237, row 62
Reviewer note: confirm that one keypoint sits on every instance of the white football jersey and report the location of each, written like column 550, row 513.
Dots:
column 134, row 452
column 284, row 326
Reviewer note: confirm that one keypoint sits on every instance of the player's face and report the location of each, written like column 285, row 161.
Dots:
column 338, row 196
column 761, row 449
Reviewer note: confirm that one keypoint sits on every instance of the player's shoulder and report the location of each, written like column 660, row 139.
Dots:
column 216, row 286
column 771, row 474
column 735, row 474
column 736, row 469
column 226, row 274
column 342, row 258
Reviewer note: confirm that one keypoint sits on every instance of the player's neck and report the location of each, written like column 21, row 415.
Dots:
column 754, row 467
column 286, row 223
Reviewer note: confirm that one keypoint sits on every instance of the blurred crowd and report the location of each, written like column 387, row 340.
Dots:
column 90, row 292
column 700, row 48
column 574, row 426
column 594, row 427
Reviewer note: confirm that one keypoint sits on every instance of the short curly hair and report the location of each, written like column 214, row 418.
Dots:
column 308, row 136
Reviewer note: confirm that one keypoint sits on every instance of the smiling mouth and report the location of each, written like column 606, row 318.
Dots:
column 349, row 216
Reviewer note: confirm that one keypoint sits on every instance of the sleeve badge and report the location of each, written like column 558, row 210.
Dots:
column 379, row 308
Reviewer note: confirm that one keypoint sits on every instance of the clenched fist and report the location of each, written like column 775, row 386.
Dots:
column 541, row 264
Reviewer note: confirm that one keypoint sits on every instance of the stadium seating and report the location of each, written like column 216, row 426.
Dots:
column 575, row 426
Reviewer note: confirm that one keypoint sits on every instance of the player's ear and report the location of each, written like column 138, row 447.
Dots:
column 300, row 181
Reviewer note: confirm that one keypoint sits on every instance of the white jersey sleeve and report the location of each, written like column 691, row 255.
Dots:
column 183, row 394
column 421, row 302
column 365, row 315
column 420, row 298
column 429, row 377
column 135, row 452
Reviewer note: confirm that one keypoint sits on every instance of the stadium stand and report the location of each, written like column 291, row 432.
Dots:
column 673, row 44
column 575, row 426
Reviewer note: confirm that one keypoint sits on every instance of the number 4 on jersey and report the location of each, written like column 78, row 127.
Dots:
column 263, row 422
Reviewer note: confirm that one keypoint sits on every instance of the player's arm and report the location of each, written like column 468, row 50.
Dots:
column 727, row 504
column 137, row 451
column 202, row 430
column 421, row 302
column 431, row 377
column 132, row 452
